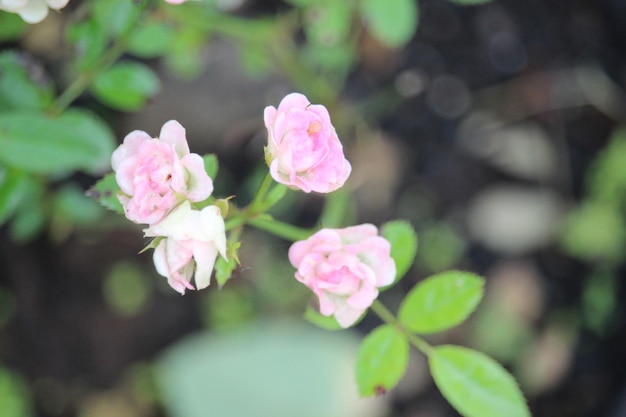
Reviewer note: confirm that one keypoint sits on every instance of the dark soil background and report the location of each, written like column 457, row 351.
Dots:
column 512, row 59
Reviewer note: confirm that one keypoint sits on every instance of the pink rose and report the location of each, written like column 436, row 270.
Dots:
column 32, row 11
column 344, row 268
column 155, row 175
column 303, row 150
column 192, row 241
column 175, row 1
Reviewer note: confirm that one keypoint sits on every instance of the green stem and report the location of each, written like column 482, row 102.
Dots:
column 84, row 80
column 388, row 317
column 280, row 229
column 263, row 188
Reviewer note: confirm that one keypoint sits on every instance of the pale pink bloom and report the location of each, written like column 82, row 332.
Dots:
column 303, row 150
column 32, row 11
column 155, row 174
column 344, row 268
column 191, row 241
column 176, row 1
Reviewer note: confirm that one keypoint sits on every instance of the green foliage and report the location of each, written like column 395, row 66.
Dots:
column 228, row 308
column 187, row 53
column 392, row 22
column 105, row 192
column 126, row 86
column 335, row 61
column 606, row 180
column 328, row 23
column 40, row 144
column 476, row 385
column 18, row 87
column 323, row 322
column 115, row 16
column 90, row 41
column 224, row 268
column 70, row 207
column 338, row 209
column 151, row 39
column 211, row 165
column 255, row 60
column 14, row 186
column 403, row 244
column 11, row 26
column 600, row 300
column 284, row 369
column 381, row 361
column 442, row 247
column 595, row 231
column 16, row 400
column 441, row 302
column 29, row 218
column 126, row 289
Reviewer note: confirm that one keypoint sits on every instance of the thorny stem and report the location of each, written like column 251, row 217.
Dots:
column 388, row 317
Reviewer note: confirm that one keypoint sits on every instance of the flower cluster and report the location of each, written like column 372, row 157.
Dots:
column 32, row 11
column 159, row 179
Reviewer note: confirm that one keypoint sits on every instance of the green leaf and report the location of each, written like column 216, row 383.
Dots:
column 224, row 268
column 151, row 39
column 595, row 231
column 18, row 87
column 442, row 247
column 392, row 22
column 11, row 26
column 71, row 205
column 13, row 187
column 126, row 86
column 475, row 384
column 114, row 15
column 126, row 289
column 30, row 218
column 105, row 192
column 255, row 60
column 37, row 143
column 284, row 367
column 328, row 23
column 16, row 399
column 211, row 165
column 90, row 41
column 381, row 361
column 441, row 301
column 336, row 60
column 324, row 322
column 606, row 180
column 470, row 2
column 403, row 244
column 71, row 208
column 187, row 55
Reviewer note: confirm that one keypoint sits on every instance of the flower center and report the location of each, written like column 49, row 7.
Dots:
column 314, row 127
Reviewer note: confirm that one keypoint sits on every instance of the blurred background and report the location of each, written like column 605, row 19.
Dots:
column 494, row 128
